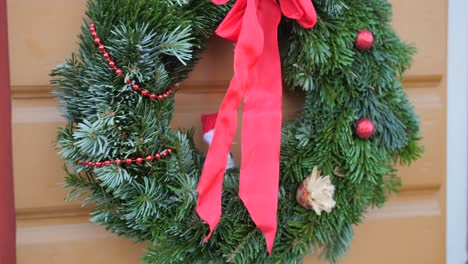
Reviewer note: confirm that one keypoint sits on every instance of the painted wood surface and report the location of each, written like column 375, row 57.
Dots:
column 409, row 229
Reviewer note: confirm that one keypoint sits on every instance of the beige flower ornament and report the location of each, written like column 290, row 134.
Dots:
column 316, row 192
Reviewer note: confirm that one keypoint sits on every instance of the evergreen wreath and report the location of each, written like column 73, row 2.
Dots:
column 117, row 94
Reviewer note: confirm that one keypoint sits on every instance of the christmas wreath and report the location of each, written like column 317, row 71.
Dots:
column 299, row 189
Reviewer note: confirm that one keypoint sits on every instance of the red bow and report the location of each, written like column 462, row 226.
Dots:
column 253, row 25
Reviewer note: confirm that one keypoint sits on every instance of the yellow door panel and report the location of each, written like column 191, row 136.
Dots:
column 409, row 229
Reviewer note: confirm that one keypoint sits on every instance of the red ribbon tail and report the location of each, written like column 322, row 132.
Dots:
column 209, row 234
column 261, row 130
column 211, row 181
column 253, row 25
column 245, row 58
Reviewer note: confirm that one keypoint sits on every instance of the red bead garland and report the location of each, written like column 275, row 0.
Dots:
column 136, row 88
column 119, row 72
column 129, row 161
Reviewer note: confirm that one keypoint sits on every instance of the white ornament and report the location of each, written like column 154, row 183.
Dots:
column 316, row 193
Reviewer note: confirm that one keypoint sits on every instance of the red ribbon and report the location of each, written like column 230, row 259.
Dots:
column 252, row 24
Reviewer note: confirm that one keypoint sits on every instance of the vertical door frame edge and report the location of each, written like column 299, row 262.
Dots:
column 457, row 122
column 7, row 208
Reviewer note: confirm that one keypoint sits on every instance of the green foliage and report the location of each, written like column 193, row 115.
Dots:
column 157, row 43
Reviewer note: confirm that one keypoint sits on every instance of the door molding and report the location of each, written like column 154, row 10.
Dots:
column 7, row 208
column 457, row 122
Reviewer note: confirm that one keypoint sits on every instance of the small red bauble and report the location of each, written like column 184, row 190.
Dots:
column 139, row 160
column 91, row 25
column 128, row 161
column 97, row 40
column 157, row 156
column 118, row 71
column 129, row 81
column 98, row 164
column 106, row 56
column 364, row 128
column 90, row 164
column 94, row 33
column 160, row 97
column 101, row 48
column 153, row 96
column 107, row 162
column 364, row 40
column 144, row 93
column 169, row 150
column 111, row 64
column 149, row 158
column 117, row 161
column 164, row 154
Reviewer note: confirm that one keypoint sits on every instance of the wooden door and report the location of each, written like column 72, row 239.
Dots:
column 409, row 229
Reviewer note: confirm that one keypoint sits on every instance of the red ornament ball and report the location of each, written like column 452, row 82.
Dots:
column 118, row 72
column 128, row 161
column 111, row 64
column 97, row 40
column 364, row 40
column 144, row 93
column 364, row 128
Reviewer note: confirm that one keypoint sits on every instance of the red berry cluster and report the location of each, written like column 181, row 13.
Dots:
column 119, row 72
column 149, row 158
